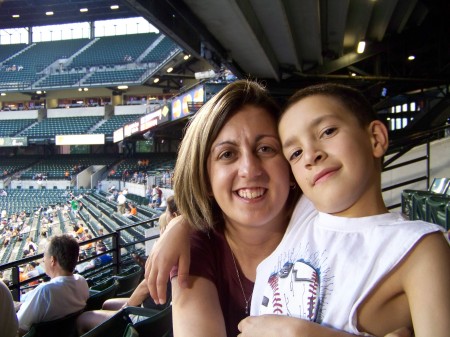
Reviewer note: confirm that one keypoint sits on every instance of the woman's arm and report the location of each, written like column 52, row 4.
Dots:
column 172, row 249
column 426, row 284
column 196, row 310
column 272, row 325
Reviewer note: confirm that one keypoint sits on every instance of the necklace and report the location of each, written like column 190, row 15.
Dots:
column 240, row 283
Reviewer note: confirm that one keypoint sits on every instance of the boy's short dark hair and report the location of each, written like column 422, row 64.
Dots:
column 65, row 249
column 351, row 98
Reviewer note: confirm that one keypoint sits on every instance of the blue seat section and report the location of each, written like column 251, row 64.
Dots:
column 157, row 162
column 36, row 58
column 161, row 51
column 14, row 164
column 8, row 50
column 29, row 200
column 12, row 127
column 55, row 167
column 114, row 123
column 60, row 80
column 115, row 76
column 114, row 50
column 50, row 127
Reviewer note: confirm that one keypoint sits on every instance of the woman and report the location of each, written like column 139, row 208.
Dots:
column 231, row 161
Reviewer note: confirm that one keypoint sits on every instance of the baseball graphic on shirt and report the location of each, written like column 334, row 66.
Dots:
column 302, row 299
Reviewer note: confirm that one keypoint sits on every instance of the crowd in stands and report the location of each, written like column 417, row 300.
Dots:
column 67, row 288
column 13, row 226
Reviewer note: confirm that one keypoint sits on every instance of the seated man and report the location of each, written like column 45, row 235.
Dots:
column 64, row 294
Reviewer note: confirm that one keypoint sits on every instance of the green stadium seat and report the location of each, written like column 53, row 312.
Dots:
column 128, row 281
column 438, row 210
column 100, row 293
column 158, row 323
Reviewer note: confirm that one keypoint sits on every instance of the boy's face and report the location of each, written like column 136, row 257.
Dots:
column 332, row 156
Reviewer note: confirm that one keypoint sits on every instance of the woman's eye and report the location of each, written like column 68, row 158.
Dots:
column 226, row 155
column 266, row 149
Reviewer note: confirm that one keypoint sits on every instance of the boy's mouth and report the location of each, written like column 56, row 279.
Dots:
column 251, row 193
column 323, row 175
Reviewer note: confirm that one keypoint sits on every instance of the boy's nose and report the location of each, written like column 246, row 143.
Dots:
column 313, row 156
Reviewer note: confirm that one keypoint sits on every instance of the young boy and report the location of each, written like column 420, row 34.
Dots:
column 352, row 265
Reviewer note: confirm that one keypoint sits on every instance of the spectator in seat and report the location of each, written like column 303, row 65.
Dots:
column 64, row 294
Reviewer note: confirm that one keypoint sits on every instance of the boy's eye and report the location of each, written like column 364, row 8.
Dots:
column 295, row 155
column 329, row 131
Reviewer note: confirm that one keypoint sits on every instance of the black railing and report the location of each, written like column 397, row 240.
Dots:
column 401, row 146
column 114, row 248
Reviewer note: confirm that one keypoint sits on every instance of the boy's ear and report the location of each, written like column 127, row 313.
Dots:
column 379, row 138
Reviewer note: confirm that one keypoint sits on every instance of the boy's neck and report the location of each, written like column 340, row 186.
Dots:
column 362, row 208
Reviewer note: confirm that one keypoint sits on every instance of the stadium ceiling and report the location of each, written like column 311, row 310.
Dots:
column 286, row 43
column 292, row 43
column 33, row 12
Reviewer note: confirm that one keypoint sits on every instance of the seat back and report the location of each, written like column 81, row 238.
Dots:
column 101, row 293
column 438, row 210
column 407, row 200
column 127, row 283
column 440, row 185
column 419, row 206
column 61, row 327
column 158, row 323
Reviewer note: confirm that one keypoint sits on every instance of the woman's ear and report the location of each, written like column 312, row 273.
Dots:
column 379, row 138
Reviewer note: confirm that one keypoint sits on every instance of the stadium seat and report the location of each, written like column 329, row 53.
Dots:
column 407, row 200
column 128, row 281
column 100, row 293
column 438, row 210
column 440, row 185
column 158, row 323
column 62, row 327
column 437, row 187
column 418, row 208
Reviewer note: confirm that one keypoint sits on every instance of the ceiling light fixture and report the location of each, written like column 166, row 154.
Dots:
column 114, row 7
column 156, row 80
column 122, row 87
column 186, row 57
column 49, row 13
column 411, row 58
column 361, row 47
column 170, row 69
column 3, row 94
column 83, row 10
column 16, row 16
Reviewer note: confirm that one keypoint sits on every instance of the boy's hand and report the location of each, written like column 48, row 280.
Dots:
column 171, row 250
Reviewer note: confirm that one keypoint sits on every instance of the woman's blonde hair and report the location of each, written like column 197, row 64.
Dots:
column 192, row 187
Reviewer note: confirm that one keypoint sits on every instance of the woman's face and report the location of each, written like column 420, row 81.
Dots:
column 248, row 174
